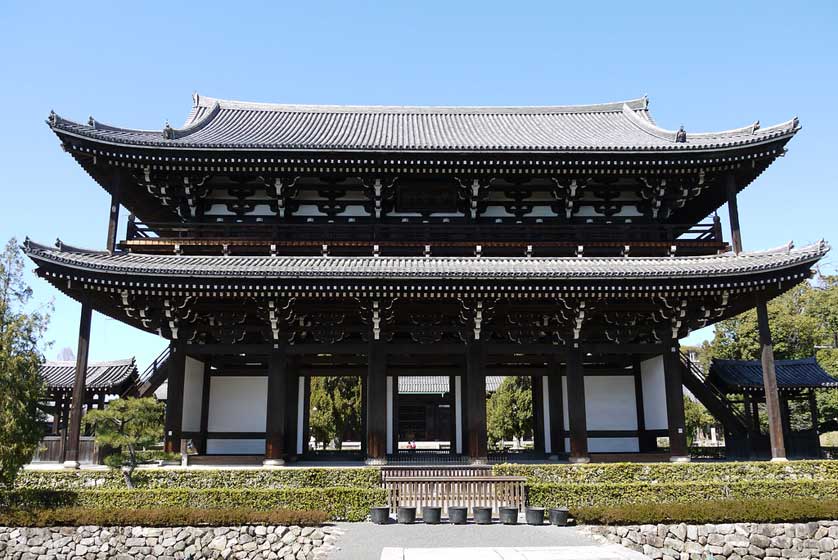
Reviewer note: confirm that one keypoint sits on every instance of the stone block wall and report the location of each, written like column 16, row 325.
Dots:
column 175, row 543
column 730, row 541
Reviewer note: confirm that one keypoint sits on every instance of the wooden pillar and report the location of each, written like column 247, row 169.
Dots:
column 113, row 219
column 475, row 403
column 538, row 433
column 393, row 419
column 576, row 407
column 174, row 397
column 206, row 386
column 645, row 442
column 733, row 213
column 306, row 392
column 71, row 449
column 376, row 412
column 769, row 381
column 554, row 406
column 276, row 414
column 452, row 412
column 292, row 409
column 56, row 415
column 673, row 385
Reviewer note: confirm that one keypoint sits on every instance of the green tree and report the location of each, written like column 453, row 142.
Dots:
column 509, row 412
column 696, row 419
column 129, row 425
column 335, row 409
column 21, row 387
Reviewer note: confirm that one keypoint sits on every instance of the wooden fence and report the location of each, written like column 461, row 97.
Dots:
column 50, row 450
column 446, row 491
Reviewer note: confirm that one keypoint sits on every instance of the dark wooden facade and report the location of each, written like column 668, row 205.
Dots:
column 281, row 240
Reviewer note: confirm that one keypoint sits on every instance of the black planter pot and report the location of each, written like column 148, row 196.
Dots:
column 508, row 515
column 380, row 515
column 482, row 515
column 535, row 516
column 457, row 515
column 558, row 517
column 407, row 515
column 431, row 515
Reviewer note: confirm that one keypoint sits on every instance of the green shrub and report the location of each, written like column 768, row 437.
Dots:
column 619, row 473
column 205, row 479
column 164, row 517
column 350, row 504
column 577, row 495
column 727, row 511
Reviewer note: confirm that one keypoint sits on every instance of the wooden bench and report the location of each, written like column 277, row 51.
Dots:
column 446, row 491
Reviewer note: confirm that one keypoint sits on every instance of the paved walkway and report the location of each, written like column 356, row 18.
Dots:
column 366, row 541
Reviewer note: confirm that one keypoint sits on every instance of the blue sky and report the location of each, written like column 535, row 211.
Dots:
column 707, row 65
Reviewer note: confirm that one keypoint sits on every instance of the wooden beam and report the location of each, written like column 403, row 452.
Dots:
column 174, row 397
column 733, row 212
column 376, row 402
column 769, row 381
column 276, row 416
column 71, row 450
column 475, row 403
column 674, row 388
column 576, row 407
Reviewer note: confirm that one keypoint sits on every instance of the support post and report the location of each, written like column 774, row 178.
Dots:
column 645, row 442
column 206, row 386
column 733, row 213
column 113, row 219
column 538, row 432
column 475, row 405
column 576, row 407
column 71, row 449
column 673, row 385
column 276, row 413
column 554, row 406
column 174, row 397
column 292, row 410
column 376, row 405
column 769, row 381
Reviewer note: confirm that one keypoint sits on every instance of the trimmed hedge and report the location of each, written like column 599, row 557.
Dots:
column 579, row 495
column 727, row 511
column 204, row 479
column 349, row 504
column 621, row 473
column 167, row 517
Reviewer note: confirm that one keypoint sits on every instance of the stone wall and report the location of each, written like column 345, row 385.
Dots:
column 177, row 543
column 731, row 541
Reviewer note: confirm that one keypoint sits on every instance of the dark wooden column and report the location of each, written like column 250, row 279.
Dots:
column 673, row 385
column 276, row 413
column 394, row 395
column 645, row 442
column 113, row 219
column 733, row 213
column 475, row 403
column 206, row 386
column 174, row 397
column 71, row 448
column 769, row 381
column 538, row 432
column 452, row 411
column 554, row 405
column 576, row 407
column 292, row 409
column 376, row 404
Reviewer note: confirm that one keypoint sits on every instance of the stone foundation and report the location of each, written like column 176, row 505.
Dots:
column 730, row 541
column 268, row 542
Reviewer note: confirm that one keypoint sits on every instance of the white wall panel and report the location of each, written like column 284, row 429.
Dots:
column 654, row 393
column 235, row 446
column 610, row 402
column 193, row 386
column 610, row 445
column 238, row 404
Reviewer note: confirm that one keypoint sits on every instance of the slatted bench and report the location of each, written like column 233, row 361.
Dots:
column 445, row 491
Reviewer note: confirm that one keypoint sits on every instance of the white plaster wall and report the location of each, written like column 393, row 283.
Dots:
column 193, row 388
column 610, row 402
column 235, row 446
column 610, row 445
column 654, row 393
column 238, row 404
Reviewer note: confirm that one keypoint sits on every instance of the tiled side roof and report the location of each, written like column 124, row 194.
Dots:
column 107, row 376
column 791, row 374
column 433, row 384
column 621, row 126
column 428, row 268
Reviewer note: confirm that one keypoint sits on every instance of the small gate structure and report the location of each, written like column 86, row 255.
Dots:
column 446, row 486
column 50, row 450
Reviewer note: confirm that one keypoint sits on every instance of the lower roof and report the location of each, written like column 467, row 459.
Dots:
column 742, row 375
column 437, row 384
column 109, row 376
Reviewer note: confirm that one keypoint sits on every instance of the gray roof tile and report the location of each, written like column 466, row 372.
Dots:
column 108, row 376
column 791, row 374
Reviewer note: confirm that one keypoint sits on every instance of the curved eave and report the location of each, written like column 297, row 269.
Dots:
column 130, row 268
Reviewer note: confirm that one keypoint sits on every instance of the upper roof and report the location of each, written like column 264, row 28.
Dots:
column 101, row 376
column 425, row 268
column 619, row 126
column 738, row 375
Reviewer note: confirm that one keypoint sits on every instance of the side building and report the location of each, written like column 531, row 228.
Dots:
column 574, row 244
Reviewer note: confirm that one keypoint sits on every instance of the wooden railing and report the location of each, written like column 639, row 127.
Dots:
column 448, row 491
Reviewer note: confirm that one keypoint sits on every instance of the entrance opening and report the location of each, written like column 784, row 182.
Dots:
column 424, row 413
column 334, row 416
column 512, row 402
